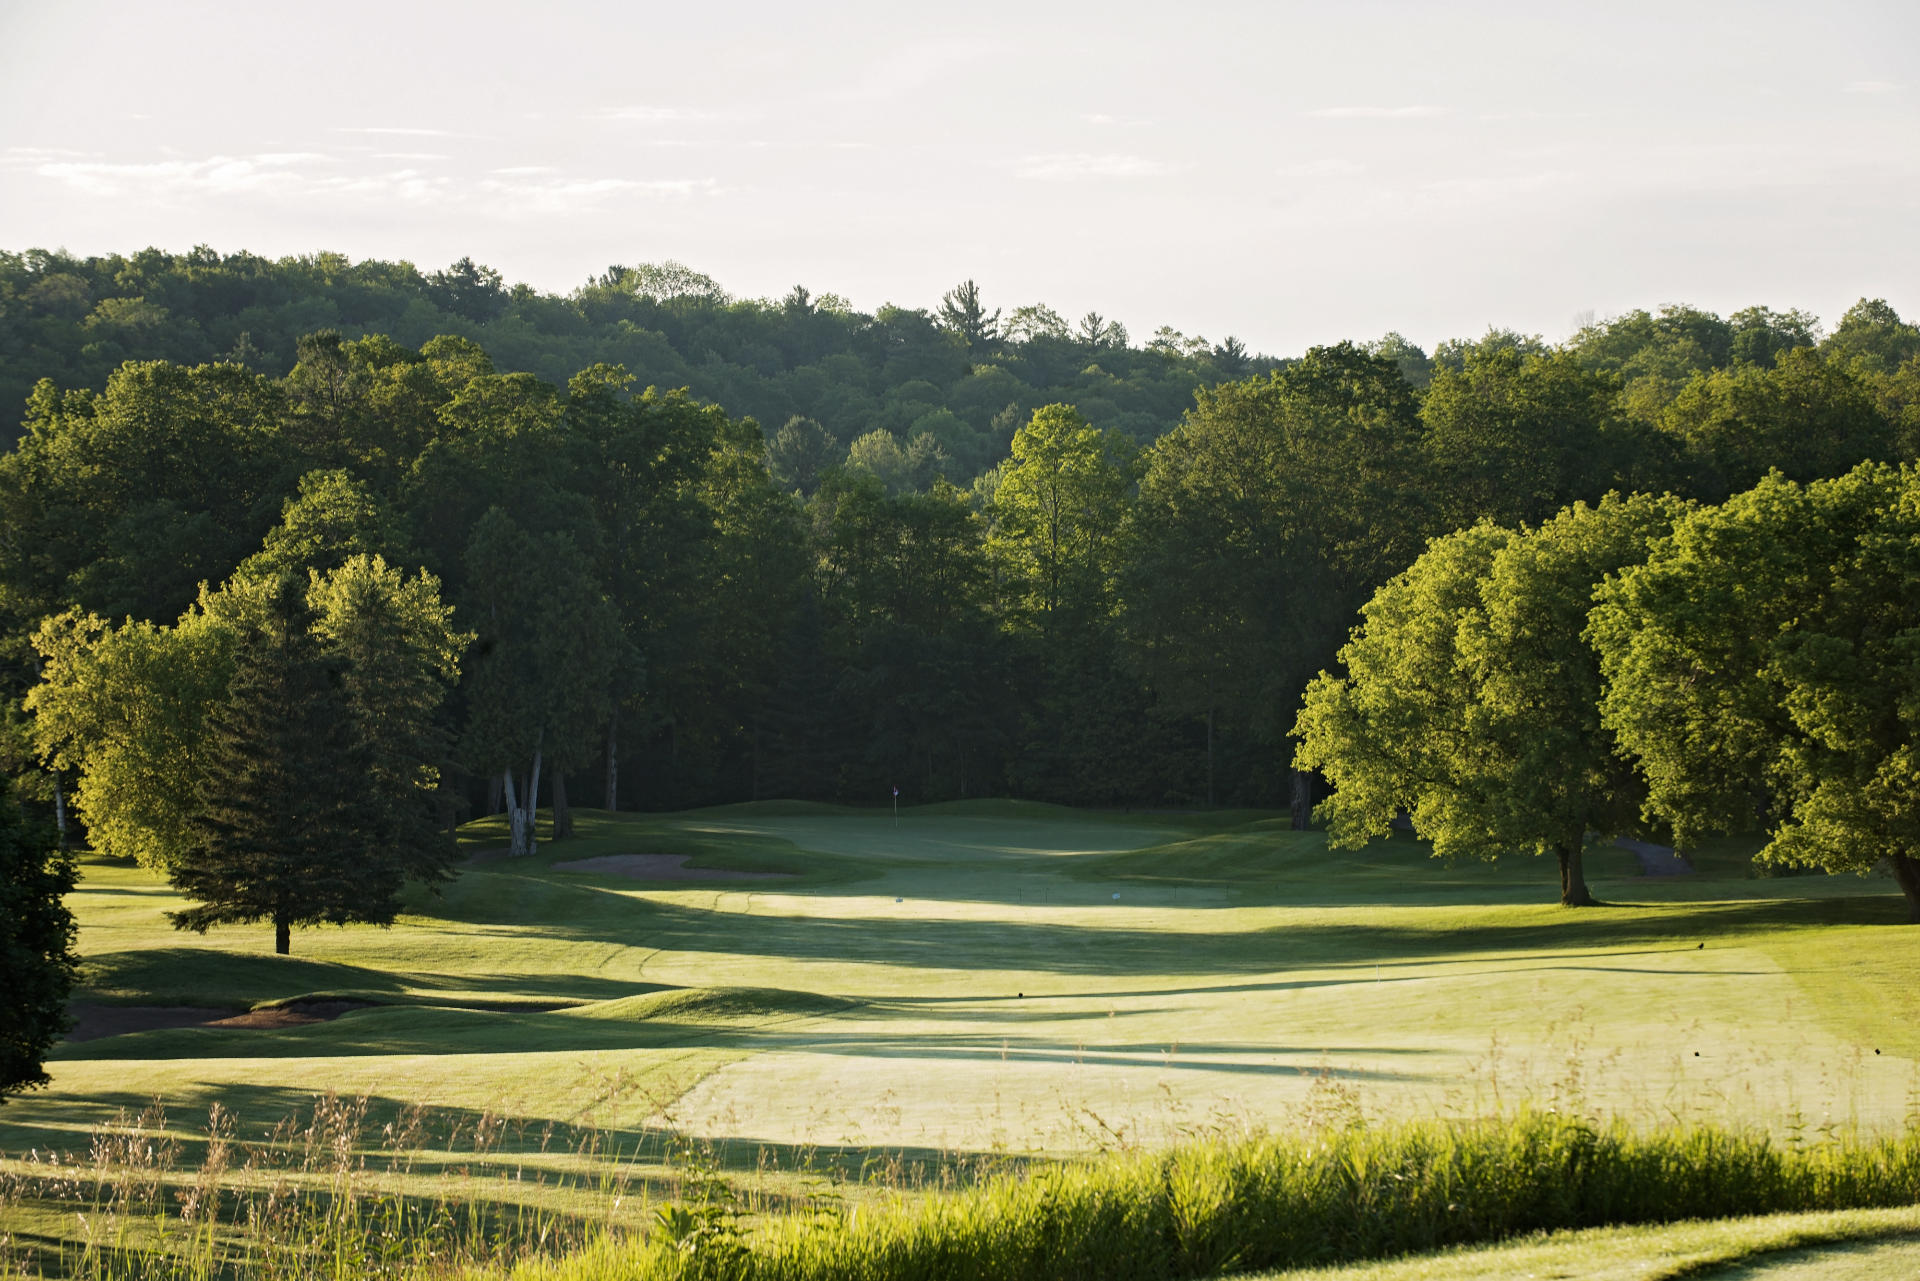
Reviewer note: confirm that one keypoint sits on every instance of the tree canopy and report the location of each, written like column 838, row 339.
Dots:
column 859, row 550
column 1761, row 671
column 1471, row 699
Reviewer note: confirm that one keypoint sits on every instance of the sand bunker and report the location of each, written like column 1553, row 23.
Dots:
column 91, row 1022
column 662, row 867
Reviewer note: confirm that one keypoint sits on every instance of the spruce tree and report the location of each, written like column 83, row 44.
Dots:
column 36, row 946
column 285, row 829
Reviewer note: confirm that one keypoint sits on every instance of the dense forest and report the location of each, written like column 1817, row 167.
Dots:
column 959, row 376
column 941, row 550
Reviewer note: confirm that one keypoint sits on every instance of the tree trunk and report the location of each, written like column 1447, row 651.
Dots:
column 282, row 936
column 60, row 808
column 516, row 817
column 562, row 812
column 523, row 808
column 530, row 803
column 495, row 797
column 1573, row 879
column 1907, row 872
column 1302, row 800
column 1209, row 758
column 613, row 763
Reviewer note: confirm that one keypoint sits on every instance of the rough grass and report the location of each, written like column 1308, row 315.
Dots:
column 1219, row 1207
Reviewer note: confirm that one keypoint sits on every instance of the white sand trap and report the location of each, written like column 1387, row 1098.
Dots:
column 662, row 867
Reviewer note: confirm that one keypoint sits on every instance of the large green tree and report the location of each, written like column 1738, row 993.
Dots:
column 1471, row 696
column 36, row 947
column 1763, row 669
column 548, row 644
column 128, row 710
column 123, row 710
column 398, row 655
column 1057, row 542
column 1263, row 522
column 282, row 828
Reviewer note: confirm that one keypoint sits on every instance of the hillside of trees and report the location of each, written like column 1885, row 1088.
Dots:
column 958, row 375
column 942, row 550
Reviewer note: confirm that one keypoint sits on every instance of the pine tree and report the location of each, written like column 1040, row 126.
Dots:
column 36, row 947
column 285, row 829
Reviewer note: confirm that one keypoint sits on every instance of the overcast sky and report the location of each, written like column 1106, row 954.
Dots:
column 1288, row 173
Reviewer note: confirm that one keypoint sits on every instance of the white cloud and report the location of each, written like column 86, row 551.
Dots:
column 1097, row 118
column 1873, row 86
column 307, row 177
column 411, row 155
column 1072, row 165
column 274, row 175
column 35, row 155
column 1377, row 113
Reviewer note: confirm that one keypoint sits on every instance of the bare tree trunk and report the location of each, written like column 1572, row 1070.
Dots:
column 523, row 809
column 495, row 797
column 532, row 798
column 1907, row 872
column 613, row 762
column 562, row 812
column 516, row 817
column 1573, row 879
column 1209, row 758
column 60, row 808
column 282, row 936
column 1301, row 785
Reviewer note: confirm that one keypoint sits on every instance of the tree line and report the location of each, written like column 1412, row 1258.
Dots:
column 949, row 383
column 659, row 618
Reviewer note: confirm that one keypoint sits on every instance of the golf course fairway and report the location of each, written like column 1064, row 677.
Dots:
column 995, row 978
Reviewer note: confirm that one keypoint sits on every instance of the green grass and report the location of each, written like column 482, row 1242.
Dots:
column 1850, row 1245
column 966, row 982
column 1330, row 1194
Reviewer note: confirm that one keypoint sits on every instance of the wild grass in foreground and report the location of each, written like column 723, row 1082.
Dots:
column 323, row 1194
column 1282, row 1201
column 306, row 1206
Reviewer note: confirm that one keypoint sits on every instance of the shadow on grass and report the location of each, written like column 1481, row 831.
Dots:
column 1120, row 949
column 276, row 1125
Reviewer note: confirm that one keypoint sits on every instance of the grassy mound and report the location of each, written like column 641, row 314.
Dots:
column 714, row 1005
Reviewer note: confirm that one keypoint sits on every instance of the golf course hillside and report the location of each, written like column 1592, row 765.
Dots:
column 805, row 991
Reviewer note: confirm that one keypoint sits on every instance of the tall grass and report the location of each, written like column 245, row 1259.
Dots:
column 314, row 1198
column 322, row 1194
column 1280, row 1201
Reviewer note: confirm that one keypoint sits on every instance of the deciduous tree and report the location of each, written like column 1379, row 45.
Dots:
column 37, row 959
column 1763, row 668
column 1471, row 696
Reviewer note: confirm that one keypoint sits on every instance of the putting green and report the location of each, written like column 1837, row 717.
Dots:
column 1021, row 978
